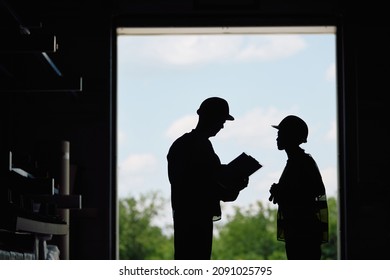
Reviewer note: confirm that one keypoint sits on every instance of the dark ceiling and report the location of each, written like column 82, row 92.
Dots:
column 41, row 46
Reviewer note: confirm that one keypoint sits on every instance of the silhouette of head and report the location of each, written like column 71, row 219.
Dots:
column 215, row 108
column 292, row 131
column 213, row 113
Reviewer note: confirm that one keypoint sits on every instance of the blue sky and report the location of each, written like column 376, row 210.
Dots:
column 162, row 79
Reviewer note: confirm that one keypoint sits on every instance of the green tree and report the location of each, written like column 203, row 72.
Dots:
column 329, row 250
column 139, row 239
column 249, row 234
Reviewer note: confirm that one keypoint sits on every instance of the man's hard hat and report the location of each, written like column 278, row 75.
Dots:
column 295, row 125
column 215, row 107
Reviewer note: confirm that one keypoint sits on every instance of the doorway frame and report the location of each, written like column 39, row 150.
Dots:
column 197, row 25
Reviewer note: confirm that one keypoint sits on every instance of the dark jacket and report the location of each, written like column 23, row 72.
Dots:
column 302, row 202
column 193, row 169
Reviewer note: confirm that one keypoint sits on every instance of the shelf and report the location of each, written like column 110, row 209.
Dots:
column 30, row 61
column 34, row 226
column 52, row 84
column 29, row 44
column 33, row 206
column 61, row 201
column 16, row 241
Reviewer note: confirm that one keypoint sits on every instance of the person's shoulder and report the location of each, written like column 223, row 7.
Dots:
column 307, row 157
column 182, row 139
column 310, row 161
column 181, row 142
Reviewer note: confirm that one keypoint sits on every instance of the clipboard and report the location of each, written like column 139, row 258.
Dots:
column 237, row 170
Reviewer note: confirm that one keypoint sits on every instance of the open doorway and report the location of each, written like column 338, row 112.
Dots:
column 264, row 73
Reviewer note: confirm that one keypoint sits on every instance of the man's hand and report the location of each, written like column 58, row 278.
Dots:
column 274, row 193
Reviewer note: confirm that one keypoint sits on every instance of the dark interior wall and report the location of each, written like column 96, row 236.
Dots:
column 366, row 145
column 87, row 118
column 33, row 122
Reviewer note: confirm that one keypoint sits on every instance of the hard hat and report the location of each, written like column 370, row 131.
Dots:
column 215, row 107
column 295, row 125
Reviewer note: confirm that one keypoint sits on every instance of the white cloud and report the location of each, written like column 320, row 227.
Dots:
column 271, row 47
column 330, row 178
column 254, row 127
column 133, row 170
column 330, row 74
column 201, row 49
column 181, row 126
column 189, row 50
column 121, row 137
column 332, row 133
column 136, row 163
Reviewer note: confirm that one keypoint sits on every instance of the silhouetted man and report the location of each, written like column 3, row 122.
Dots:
column 300, row 194
column 193, row 170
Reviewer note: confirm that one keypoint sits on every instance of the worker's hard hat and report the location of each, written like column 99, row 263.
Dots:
column 215, row 107
column 296, row 126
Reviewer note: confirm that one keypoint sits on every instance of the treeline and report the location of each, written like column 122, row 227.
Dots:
column 248, row 234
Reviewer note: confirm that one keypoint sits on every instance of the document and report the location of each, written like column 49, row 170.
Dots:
column 237, row 170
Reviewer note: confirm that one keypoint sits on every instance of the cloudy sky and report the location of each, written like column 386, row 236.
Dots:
column 162, row 79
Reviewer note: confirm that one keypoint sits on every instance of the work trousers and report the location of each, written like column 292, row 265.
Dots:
column 193, row 237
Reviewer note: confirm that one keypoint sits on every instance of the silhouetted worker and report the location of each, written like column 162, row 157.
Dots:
column 193, row 170
column 302, row 221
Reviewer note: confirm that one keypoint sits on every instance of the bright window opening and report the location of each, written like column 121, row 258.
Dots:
column 265, row 74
